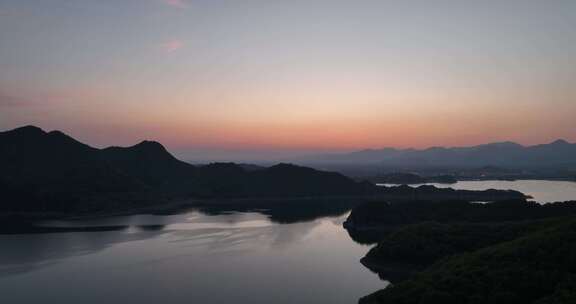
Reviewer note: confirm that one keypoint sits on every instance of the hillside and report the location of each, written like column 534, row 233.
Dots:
column 539, row 267
column 52, row 172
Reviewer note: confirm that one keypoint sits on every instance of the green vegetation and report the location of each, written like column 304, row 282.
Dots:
column 371, row 222
column 465, row 253
column 425, row 243
column 539, row 268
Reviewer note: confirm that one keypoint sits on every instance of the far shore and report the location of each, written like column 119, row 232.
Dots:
column 27, row 222
column 487, row 179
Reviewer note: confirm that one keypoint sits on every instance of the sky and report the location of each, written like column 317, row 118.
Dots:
column 247, row 79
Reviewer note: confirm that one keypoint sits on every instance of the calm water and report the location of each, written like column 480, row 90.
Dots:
column 240, row 257
column 188, row 258
column 541, row 191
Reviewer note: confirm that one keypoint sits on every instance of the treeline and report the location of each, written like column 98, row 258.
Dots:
column 539, row 268
column 461, row 252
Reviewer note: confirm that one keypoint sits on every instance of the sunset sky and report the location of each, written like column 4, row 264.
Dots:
column 245, row 79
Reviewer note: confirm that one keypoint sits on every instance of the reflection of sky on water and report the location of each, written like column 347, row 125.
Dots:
column 187, row 258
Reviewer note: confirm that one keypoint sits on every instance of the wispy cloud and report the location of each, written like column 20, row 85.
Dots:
column 172, row 45
column 176, row 3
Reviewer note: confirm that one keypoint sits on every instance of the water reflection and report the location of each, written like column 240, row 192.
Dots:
column 223, row 228
column 29, row 252
column 287, row 211
column 191, row 257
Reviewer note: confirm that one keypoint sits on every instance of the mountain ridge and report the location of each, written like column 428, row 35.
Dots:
column 507, row 153
column 51, row 171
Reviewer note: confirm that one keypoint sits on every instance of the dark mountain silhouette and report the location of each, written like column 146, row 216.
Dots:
column 150, row 162
column 282, row 180
column 52, row 172
column 30, row 156
column 557, row 154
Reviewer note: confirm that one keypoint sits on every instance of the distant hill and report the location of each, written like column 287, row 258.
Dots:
column 557, row 154
column 52, row 172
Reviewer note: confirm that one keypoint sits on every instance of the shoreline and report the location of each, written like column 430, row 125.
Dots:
column 560, row 179
column 185, row 203
column 13, row 222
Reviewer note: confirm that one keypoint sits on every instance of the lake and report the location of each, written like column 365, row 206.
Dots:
column 196, row 257
column 541, row 190
column 240, row 257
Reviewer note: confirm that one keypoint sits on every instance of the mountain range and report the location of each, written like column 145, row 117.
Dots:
column 557, row 154
column 52, row 172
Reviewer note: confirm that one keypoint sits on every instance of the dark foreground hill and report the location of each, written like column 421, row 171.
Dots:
column 461, row 252
column 538, row 267
column 52, row 172
column 387, row 215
